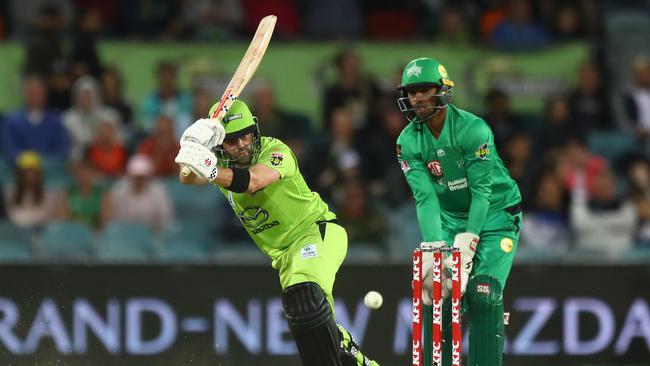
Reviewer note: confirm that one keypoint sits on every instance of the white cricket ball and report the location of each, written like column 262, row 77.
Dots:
column 373, row 300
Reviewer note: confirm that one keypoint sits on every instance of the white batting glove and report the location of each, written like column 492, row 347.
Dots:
column 427, row 271
column 199, row 159
column 206, row 132
column 467, row 243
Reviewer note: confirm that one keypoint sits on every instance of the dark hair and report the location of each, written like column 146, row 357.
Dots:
column 21, row 190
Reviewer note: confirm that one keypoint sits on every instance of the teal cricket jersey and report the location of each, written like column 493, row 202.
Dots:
column 459, row 173
column 278, row 215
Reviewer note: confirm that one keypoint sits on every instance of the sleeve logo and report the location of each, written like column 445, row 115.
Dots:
column 398, row 151
column 276, row 158
column 482, row 152
column 405, row 166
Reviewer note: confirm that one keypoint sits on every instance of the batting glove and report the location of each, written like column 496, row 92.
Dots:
column 199, row 159
column 467, row 243
column 206, row 132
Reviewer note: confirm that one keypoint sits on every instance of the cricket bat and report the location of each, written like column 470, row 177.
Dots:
column 244, row 71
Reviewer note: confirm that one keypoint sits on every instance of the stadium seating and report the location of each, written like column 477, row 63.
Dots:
column 66, row 241
column 125, row 242
column 15, row 243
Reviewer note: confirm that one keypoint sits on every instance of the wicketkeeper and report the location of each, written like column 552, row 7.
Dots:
column 289, row 222
column 465, row 197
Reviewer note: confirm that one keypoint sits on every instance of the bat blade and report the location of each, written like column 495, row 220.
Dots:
column 244, row 72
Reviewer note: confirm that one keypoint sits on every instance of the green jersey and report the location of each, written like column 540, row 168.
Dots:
column 458, row 174
column 278, row 215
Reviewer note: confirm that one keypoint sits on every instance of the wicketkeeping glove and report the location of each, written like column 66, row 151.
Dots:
column 204, row 132
column 199, row 159
column 467, row 243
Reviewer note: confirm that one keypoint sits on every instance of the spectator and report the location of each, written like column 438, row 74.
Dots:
column 45, row 41
column 112, row 89
column 322, row 19
column 388, row 20
column 25, row 14
column 82, row 119
column 106, row 154
column 579, row 164
column 59, row 87
column 139, row 197
column 169, row 100
column 211, row 20
column 517, row 156
column 144, row 19
column 567, row 24
column 637, row 102
column 601, row 221
column 495, row 12
column 28, row 203
column 83, row 201
column 518, row 30
column 589, row 101
column 34, row 127
column 638, row 174
column 453, row 29
column 162, row 147
column 503, row 121
column 362, row 221
column 558, row 127
column 352, row 90
column 288, row 22
column 385, row 183
column 291, row 128
column 333, row 158
column 545, row 225
column 84, row 51
column 202, row 102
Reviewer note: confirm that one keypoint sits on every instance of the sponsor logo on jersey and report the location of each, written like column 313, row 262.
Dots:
column 482, row 151
column 405, row 166
column 506, row 245
column 441, row 153
column 276, row 158
column 255, row 219
column 457, row 184
column 308, row 251
column 435, row 168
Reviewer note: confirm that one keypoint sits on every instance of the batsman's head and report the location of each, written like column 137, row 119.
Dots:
column 425, row 89
column 242, row 141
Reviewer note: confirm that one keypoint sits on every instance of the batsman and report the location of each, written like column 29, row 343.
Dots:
column 291, row 224
column 464, row 197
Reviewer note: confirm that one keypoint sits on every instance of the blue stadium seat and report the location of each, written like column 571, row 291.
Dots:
column 10, row 233
column 201, row 203
column 186, row 242
column 64, row 241
column 6, row 172
column 55, row 172
column 611, row 144
column 125, row 242
column 189, row 231
column 14, row 252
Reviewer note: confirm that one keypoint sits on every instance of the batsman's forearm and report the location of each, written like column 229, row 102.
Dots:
column 224, row 177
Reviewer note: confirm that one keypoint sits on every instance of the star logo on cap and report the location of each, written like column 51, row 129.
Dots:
column 414, row 70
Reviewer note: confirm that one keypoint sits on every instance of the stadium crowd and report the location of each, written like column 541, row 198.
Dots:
column 77, row 150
